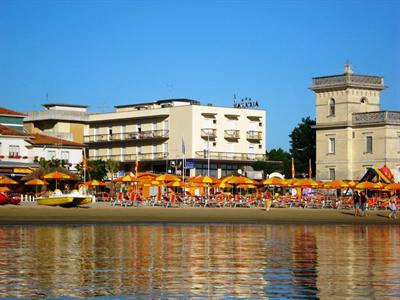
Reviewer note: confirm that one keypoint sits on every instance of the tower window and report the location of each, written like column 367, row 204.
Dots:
column 331, row 145
column 332, row 173
column 368, row 144
column 364, row 100
column 331, row 107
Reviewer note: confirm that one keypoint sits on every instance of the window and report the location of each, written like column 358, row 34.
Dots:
column 95, row 153
column 331, row 145
column 331, row 107
column 13, row 150
column 332, row 174
column 109, row 152
column 363, row 100
column 368, row 144
column 51, row 154
column 65, row 156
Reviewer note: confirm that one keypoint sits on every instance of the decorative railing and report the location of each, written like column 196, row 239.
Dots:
column 232, row 134
column 127, row 136
column 378, row 117
column 133, row 157
column 364, row 81
column 209, row 133
column 230, row 155
column 254, row 135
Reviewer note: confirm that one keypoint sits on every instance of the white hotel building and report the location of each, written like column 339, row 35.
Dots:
column 215, row 140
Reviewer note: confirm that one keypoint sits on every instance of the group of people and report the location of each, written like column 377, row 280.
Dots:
column 361, row 201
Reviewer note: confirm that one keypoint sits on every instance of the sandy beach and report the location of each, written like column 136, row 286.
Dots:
column 103, row 213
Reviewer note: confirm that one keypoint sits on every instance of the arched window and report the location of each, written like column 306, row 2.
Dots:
column 331, row 107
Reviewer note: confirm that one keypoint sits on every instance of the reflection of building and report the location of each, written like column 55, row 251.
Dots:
column 352, row 133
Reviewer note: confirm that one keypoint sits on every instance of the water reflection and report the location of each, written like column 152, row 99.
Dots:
column 201, row 261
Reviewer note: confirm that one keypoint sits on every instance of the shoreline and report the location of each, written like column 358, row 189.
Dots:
column 104, row 213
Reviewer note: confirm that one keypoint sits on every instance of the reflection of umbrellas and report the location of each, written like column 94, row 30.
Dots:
column 272, row 181
column 393, row 187
column 57, row 175
column 6, row 180
column 168, row 178
column 36, row 183
column 336, row 184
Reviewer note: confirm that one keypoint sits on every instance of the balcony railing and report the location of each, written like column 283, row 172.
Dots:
column 230, row 156
column 133, row 157
column 232, row 134
column 209, row 133
column 127, row 136
column 254, row 135
column 363, row 81
column 378, row 117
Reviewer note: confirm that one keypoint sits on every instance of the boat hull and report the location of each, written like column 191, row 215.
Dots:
column 65, row 201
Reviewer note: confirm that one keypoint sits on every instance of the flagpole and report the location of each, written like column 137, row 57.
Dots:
column 293, row 171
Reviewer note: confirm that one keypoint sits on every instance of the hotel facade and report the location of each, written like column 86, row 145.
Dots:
column 178, row 135
column 352, row 133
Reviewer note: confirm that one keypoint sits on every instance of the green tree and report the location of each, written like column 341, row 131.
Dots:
column 303, row 145
column 278, row 161
column 112, row 167
column 95, row 169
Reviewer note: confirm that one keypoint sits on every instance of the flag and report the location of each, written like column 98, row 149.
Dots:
column 183, row 147
column 136, row 167
column 293, row 171
column 309, row 169
column 84, row 164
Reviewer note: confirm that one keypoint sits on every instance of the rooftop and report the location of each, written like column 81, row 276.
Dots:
column 9, row 112
column 41, row 139
column 5, row 130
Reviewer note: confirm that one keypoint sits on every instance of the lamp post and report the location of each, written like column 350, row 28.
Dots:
column 208, row 153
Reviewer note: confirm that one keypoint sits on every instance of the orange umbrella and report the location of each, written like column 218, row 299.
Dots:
column 36, row 182
column 222, row 185
column 336, row 184
column 352, row 184
column 176, row 184
column 365, row 185
column 149, row 182
column 246, row 186
column 393, row 187
column 94, row 183
column 238, row 180
column 57, row 175
column 306, row 183
column 7, row 180
column 168, row 178
column 205, row 179
column 289, row 182
column 4, row 189
column 272, row 181
column 127, row 178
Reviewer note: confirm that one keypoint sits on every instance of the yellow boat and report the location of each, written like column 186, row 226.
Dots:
column 66, row 200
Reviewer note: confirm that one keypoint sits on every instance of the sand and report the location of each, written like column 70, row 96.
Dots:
column 104, row 213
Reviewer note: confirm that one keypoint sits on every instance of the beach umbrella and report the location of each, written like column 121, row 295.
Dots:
column 393, row 187
column 6, row 180
column 205, row 180
column 36, row 183
column 127, row 178
column 179, row 184
column 246, row 186
column 272, row 181
column 222, row 185
column 167, row 178
column 289, row 182
column 352, row 184
column 149, row 182
column 335, row 184
column 236, row 180
column 365, row 185
column 56, row 175
column 94, row 183
column 4, row 189
column 306, row 183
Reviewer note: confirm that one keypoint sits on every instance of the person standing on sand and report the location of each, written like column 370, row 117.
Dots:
column 363, row 200
column 393, row 207
column 356, row 200
column 267, row 200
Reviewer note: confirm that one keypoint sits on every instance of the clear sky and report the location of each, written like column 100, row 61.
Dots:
column 106, row 53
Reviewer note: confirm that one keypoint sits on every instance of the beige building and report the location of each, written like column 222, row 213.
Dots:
column 352, row 134
column 65, row 121
column 213, row 140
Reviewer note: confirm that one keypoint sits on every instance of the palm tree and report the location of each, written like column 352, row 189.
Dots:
column 112, row 167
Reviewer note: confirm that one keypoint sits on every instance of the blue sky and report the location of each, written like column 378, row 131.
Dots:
column 106, row 53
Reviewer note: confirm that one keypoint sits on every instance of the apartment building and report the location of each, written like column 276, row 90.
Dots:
column 178, row 135
column 352, row 133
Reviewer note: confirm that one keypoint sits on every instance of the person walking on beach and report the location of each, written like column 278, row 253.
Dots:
column 363, row 200
column 267, row 200
column 393, row 207
column 356, row 200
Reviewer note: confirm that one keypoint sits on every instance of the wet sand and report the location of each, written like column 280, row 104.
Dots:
column 103, row 213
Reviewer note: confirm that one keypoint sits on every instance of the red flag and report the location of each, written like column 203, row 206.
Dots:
column 309, row 169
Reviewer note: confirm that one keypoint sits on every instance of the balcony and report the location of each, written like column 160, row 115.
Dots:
column 230, row 156
column 209, row 133
column 252, row 135
column 231, row 134
column 376, row 118
column 347, row 80
column 133, row 157
column 128, row 136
